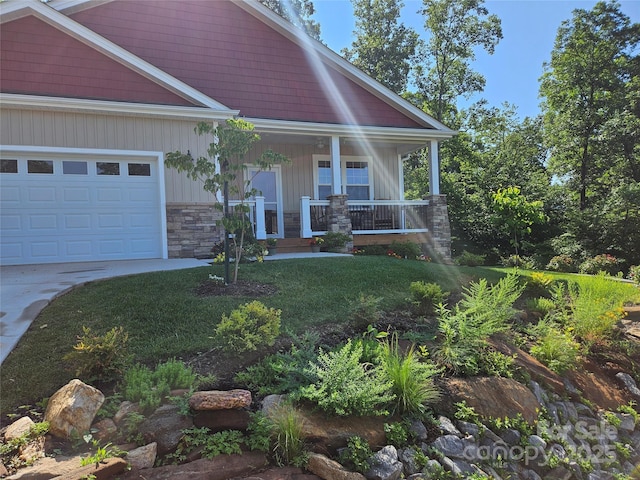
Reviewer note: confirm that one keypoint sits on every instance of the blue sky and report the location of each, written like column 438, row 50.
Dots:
column 528, row 27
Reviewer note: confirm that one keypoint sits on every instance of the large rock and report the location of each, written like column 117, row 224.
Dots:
column 218, row 420
column 328, row 469
column 30, row 451
column 385, row 465
column 495, row 397
column 221, row 467
column 71, row 409
column 327, row 433
column 220, row 400
column 143, row 457
column 165, row 427
column 69, row 468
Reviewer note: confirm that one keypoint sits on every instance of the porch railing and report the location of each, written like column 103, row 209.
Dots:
column 256, row 215
column 367, row 217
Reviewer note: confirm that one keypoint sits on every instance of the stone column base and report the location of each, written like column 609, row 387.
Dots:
column 439, row 227
column 339, row 219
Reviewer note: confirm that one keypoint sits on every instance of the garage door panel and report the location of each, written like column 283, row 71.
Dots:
column 79, row 216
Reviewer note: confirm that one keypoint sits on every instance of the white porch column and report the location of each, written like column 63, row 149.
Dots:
column 336, row 172
column 305, row 217
column 400, row 177
column 434, row 169
column 261, row 230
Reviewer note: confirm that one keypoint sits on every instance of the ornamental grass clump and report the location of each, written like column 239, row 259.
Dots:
column 344, row 386
column 411, row 378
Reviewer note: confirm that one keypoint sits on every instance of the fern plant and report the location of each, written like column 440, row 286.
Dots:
column 344, row 386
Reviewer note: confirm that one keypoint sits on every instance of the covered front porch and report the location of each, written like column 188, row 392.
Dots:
column 353, row 184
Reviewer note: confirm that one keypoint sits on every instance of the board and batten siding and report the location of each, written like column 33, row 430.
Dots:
column 82, row 130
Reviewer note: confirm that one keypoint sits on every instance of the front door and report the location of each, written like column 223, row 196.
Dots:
column 268, row 184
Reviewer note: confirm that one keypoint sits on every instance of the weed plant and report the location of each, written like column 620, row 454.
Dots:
column 464, row 330
column 555, row 347
column 357, row 455
column 10, row 450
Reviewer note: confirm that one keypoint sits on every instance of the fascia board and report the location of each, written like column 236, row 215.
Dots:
column 12, row 100
column 355, row 131
column 108, row 48
column 295, row 34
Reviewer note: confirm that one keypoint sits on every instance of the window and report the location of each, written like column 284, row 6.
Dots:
column 8, row 166
column 139, row 169
column 108, row 168
column 40, row 166
column 357, row 180
column 324, row 179
column 74, row 168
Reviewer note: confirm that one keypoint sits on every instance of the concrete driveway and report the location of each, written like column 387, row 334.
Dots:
column 26, row 289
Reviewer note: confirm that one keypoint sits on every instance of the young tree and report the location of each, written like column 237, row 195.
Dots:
column 456, row 28
column 383, row 48
column 298, row 12
column 516, row 213
column 223, row 170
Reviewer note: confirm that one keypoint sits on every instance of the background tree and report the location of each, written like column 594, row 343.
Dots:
column 592, row 125
column 298, row 12
column 383, row 48
column 515, row 214
column 224, row 170
column 456, row 28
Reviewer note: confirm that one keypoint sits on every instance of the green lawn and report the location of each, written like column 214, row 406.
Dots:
column 165, row 319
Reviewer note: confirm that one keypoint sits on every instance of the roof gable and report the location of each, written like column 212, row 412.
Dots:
column 38, row 59
column 228, row 54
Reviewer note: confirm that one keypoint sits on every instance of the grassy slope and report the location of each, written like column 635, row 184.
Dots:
column 165, row 319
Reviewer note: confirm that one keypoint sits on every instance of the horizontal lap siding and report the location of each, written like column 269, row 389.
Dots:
column 51, row 129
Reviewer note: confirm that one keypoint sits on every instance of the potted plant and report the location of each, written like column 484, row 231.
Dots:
column 315, row 243
column 272, row 245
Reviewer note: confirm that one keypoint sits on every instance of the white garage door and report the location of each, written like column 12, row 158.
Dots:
column 78, row 209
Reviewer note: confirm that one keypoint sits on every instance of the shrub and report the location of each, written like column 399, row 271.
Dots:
column 634, row 274
column 542, row 306
column 601, row 263
column 100, row 357
column 357, row 455
column 282, row 372
column 397, row 434
column 539, row 281
column 149, row 388
column 518, row 261
column 426, row 296
column 556, row 348
column 407, row 250
column 366, row 310
column 248, row 327
column 336, row 241
column 411, row 379
column 470, row 259
column 288, row 432
column 496, row 364
column 562, row 263
column 344, row 386
column 375, row 250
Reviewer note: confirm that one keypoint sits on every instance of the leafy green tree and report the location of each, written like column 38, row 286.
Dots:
column 224, row 170
column 298, row 12
column 383, row 48
column 591, row 102
column 515, row 213
column 591, row 93
column 456, row 29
